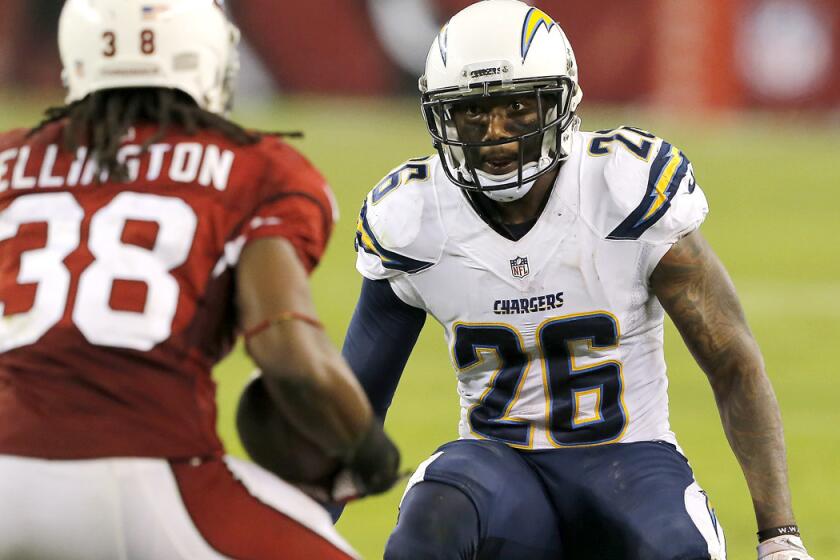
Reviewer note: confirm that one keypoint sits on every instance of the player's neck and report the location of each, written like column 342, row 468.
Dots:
column 529, row 207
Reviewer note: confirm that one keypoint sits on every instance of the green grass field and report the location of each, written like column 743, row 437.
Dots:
column 774, row 192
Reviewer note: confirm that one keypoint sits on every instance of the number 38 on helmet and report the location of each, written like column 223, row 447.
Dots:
column 188, row 45
column 490, row 51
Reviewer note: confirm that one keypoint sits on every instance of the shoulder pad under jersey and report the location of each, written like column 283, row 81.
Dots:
column 399, row 229
column 637, row 186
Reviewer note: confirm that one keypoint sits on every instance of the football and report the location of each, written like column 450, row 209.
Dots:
column 273, row 442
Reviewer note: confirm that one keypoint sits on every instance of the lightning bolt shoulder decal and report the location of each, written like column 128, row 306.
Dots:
column 668, row 170
column 366, row 240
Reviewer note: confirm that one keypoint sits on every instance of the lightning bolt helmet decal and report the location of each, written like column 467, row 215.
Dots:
column 442, row 42
column 534, row 19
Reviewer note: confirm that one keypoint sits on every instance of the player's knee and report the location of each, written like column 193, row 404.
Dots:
column 436, row 522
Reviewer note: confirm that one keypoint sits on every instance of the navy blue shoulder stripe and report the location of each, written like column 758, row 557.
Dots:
column 666, row 173
column 368, row 242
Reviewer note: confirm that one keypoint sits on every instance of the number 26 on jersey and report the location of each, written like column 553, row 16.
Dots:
column 569, row 388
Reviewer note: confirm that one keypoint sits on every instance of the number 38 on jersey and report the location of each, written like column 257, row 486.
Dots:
column 46, row 284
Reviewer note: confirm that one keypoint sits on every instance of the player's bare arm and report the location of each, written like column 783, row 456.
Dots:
column 309, row 383
column 300, row 366
column 697, row 293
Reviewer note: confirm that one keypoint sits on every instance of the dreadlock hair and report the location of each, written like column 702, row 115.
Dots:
column 101, row 120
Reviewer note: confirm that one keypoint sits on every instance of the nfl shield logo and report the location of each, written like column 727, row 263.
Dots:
column 519, row 267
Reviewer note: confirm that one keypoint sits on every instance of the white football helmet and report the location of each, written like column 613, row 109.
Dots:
column 189, row 45
column 501, row 48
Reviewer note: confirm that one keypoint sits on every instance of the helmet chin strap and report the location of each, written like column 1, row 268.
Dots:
column 510, row 194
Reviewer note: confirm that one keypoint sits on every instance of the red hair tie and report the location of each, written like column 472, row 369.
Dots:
column 281, row 317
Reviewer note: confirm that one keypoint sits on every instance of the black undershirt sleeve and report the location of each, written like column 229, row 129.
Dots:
column 379, row 340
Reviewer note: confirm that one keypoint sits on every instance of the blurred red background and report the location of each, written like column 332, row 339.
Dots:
column 683, row 53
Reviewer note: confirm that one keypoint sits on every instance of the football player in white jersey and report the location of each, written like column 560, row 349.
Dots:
column 550, row 257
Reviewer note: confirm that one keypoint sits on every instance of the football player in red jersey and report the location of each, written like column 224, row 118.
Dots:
column 139, row 232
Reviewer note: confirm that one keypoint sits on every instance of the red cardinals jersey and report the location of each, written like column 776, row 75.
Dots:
column 116, row 298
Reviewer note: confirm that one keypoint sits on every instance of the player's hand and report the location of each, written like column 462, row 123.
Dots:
column 784, row 547
column 371, row 468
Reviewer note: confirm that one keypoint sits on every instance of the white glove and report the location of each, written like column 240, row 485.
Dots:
column 784, row 547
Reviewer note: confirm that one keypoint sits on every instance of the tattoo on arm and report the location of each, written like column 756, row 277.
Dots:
column 696, row 291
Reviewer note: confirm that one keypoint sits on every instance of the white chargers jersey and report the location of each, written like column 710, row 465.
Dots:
column 556, row 338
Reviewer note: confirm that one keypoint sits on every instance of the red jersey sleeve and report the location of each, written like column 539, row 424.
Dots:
column 295, row 203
